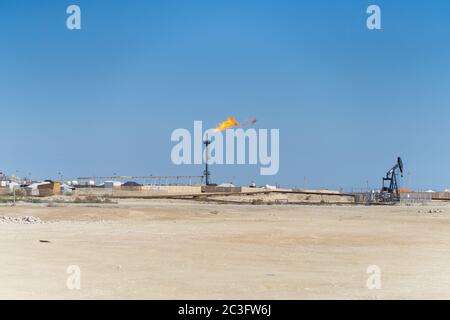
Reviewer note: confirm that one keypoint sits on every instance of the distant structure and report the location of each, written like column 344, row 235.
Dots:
column 116, row 181
column 206, row 173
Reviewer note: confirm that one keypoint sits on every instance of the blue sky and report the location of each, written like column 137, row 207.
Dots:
column 347, row 100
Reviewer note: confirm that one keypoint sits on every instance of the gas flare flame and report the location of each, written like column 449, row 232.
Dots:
column 227, row 124
column 232, row 123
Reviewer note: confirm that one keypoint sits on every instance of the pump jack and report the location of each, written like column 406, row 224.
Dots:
column 390, row 191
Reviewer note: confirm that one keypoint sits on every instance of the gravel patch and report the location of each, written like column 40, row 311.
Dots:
column 19, row 220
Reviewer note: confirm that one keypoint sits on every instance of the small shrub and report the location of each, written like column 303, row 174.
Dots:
column 257, row 201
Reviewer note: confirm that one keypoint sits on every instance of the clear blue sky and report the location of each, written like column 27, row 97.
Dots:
column 347, row 100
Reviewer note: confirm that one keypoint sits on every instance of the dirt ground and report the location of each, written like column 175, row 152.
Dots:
column 139, row 249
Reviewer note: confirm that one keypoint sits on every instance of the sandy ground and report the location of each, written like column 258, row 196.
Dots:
column 189, row 250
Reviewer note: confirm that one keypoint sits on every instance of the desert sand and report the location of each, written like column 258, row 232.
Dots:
column 169, row 249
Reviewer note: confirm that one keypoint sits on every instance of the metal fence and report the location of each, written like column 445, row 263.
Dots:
column 416, row 197
column 408, row 197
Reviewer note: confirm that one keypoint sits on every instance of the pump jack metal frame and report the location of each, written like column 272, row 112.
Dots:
column 390, row 190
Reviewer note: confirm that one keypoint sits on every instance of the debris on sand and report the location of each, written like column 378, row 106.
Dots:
column 19, row 220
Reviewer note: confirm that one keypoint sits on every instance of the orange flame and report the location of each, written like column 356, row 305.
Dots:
column 229, row 123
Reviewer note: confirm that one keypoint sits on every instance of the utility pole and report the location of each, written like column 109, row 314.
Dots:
column 206, row 173
column 14, row 195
